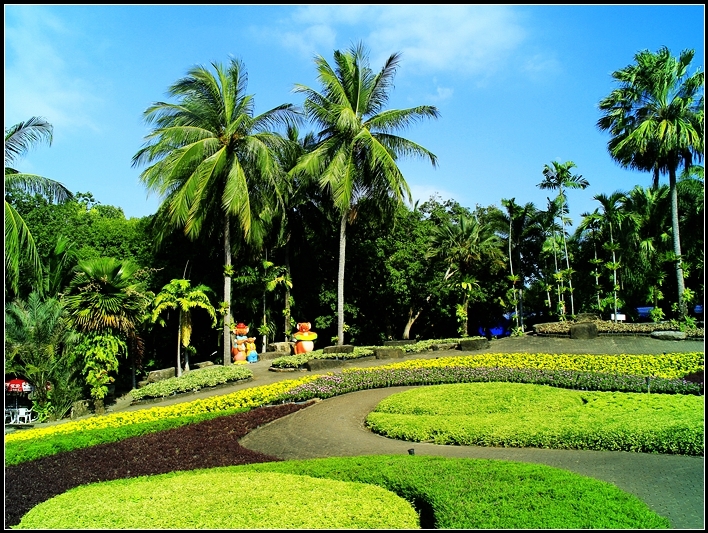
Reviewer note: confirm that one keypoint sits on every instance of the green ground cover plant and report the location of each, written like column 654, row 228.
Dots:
column 524, row 415
column 193, row 381
column 39, row 442
column 485, row 494
column 223, row 499
column 299, row 360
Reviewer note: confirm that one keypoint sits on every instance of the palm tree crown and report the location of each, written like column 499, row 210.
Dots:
column 357, row 151
column 656, row 122
column 19, row 243
column 211, row 159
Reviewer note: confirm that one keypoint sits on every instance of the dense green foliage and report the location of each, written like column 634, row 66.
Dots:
column 499, row 268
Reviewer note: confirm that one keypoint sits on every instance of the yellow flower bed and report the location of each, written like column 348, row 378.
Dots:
column 669, row 366
column 251, row 397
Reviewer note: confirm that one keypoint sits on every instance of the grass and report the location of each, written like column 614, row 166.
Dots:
column 524, row 415
column 447, row 493
column 367, row 492
column 223, row 499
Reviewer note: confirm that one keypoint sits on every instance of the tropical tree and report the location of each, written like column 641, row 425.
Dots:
column 37, row 342
column 590, row 223
column 106, row 299
column 357, row 152
column 179, row 294
column 19, row 242
column 656, row 121
column 212, row 162
column 557, row 177
column 612, row 216
column 469, row 247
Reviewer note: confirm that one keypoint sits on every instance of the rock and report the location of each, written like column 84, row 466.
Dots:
column 321, row 364
column 203, row 364
column 583, row 330
column 388, row 353
column 80, row 408
column 669, row 335
column 344, row 348
column 445, row 346
column 283, row 348
column 399, row 343
column 159, row 375
column 473, row 344
column 586, row 317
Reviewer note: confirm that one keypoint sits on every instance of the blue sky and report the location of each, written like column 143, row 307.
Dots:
column 517, row 86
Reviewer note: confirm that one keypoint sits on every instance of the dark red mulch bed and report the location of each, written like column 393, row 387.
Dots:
column 204, row 445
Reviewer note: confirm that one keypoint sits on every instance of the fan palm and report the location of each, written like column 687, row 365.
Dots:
column 557, row 177
column 656, row 122
column 19, row 243
column 357, row 151
column 179, row 294
column 212, row 161
column 106, row 297
column 36, row 338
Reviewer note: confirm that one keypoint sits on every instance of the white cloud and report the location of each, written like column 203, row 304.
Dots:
column 463, row 39
column 38, row 82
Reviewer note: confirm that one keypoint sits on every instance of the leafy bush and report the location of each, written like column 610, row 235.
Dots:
column 193, row 381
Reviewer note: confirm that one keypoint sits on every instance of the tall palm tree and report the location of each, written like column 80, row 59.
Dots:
column 468, row 246
column 105, row 297
column 179, row 294
column 656, row 122
column 520, row 223
column 612, row 216
column 590, row 222
column 357, row 151
column 557, row 177
column 212, row 161
column 19, row 243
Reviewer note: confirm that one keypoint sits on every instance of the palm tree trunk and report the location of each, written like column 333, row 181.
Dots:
column 286, row 329
column 178, row 370
column 340, row 278
column 676, row 240
column 614, row 272
column 227, row 291
column 567, row 265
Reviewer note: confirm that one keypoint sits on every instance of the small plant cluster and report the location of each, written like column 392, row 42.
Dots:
column 299, row 360
column 353, row 380
column 193, row 381
column 608, row 327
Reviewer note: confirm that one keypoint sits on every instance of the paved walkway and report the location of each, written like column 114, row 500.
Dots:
column 671, row 485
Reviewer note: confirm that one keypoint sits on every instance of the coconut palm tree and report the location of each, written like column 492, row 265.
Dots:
column 212, row 162
column 656, row 121
column 357, row 152
column 179, row 294
column 19, row 243
column 557, row 177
